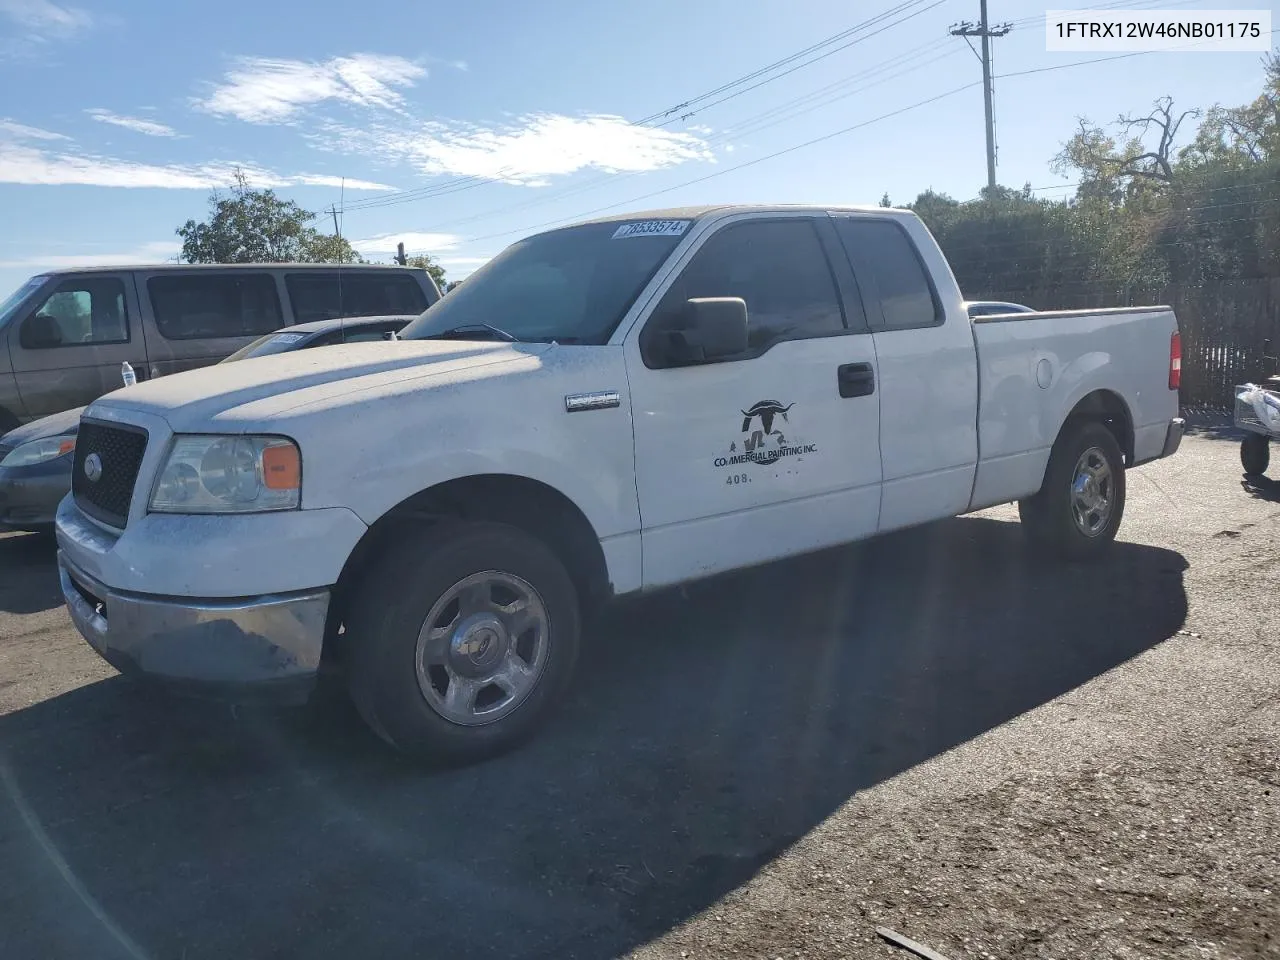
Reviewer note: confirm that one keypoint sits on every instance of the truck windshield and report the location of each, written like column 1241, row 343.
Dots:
column 11, row 302
column 572, row 285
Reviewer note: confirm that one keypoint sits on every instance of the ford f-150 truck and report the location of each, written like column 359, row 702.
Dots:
column 607, row 408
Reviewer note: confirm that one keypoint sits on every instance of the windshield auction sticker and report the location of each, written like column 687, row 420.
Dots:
column 1134, row 31
column 652, row 228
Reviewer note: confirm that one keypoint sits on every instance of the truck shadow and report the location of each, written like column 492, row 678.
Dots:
column 707, row 732
column 1261, row 488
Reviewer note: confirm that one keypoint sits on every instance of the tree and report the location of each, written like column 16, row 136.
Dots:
column 1109, row 169
column 256, row 226
column 1238, row 136
column 423, row 261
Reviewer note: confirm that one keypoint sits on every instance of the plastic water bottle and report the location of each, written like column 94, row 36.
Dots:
column 127, row 374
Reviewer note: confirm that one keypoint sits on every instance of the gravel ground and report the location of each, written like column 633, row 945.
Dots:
column 932, row 732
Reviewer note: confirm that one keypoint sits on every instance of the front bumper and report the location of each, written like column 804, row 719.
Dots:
column 259, row 645
column 29, row 496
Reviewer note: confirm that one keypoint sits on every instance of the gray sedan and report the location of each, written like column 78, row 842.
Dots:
column 36, row 458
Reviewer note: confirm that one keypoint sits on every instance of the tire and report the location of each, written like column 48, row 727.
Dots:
column 1255, row 454
column 402, row 683
column 1051, row 519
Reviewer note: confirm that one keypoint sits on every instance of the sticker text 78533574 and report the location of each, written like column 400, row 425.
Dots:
column 651, row 228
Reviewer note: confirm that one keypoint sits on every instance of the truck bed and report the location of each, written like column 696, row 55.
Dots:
column 1032, row 367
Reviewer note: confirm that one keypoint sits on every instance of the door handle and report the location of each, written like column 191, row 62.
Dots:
column 856, row 380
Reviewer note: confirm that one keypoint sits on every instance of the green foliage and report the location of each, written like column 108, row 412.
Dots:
column 424, row 262
column 1153, row 206
column 256, row 226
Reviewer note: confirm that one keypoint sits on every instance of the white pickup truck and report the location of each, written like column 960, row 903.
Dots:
column 603, row 409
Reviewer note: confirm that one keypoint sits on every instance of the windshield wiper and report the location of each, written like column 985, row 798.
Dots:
column 468, row 330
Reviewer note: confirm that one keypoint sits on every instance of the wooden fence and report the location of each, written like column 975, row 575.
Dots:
column 1224, row 327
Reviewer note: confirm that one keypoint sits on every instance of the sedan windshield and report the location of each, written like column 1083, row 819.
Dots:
column 571, row 286
column 268, row 344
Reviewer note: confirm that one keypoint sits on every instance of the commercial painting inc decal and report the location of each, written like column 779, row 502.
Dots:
column 761, row 442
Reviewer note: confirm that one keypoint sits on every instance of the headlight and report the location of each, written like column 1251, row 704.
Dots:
column 229, row 475
column 39, row 451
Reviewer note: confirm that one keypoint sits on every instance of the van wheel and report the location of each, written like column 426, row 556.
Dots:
column 1255, row 454
column 1079, row 508
column 460, row 642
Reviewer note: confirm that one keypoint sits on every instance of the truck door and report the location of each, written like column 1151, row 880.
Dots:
column 772, row 452
column 928, row 373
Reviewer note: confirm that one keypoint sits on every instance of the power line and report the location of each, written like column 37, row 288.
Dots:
column 746, row 78
column 473, row 180
column 1085, row 63
column 750, row 125
column 738, row 93
column 741, row 166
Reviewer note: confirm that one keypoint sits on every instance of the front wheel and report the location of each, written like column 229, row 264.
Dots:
column 1078, row 510
column 461, row 641
column 1255, row 454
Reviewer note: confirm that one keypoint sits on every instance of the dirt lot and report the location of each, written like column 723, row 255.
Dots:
column 931, row 732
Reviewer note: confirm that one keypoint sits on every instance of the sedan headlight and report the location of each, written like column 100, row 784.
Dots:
column 209, row 474
column 39, row 451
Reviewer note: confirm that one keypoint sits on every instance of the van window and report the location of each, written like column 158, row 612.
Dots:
column 197, row 305
column 324, row 296
column 79, row 311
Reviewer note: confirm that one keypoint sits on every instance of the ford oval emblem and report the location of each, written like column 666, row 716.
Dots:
column 93, row 468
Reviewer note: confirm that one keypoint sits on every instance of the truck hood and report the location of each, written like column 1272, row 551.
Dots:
column 237, row 395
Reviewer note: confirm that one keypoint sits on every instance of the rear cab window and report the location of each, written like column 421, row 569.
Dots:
column 324, row 295
column 202, row 305
column 890, row 273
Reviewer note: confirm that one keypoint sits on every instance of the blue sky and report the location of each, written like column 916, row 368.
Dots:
column 117, row 119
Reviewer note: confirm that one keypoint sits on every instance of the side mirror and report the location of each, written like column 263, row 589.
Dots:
column 40, row 332
column 714, row 328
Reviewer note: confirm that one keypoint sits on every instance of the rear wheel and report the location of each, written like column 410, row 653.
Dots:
column 461, row 642
column 1079, row 508
column 1255, row 454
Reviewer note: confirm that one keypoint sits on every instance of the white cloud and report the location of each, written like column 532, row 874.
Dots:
column 262, row 90
column 45, row 16
column 325, row 180
column 154, row 252
column 28, row 165
column 138, row 125
column 529, row 151
column 413, row 242
column 20, row 131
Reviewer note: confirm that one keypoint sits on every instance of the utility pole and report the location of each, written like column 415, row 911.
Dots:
column 984, row 30
column 400, row 257
column 334, row 210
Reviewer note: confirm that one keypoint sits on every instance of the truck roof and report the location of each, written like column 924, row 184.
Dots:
column 697, row 212
column 165, row 267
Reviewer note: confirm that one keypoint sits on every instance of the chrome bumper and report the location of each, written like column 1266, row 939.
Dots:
column 256, row 642
column 1173, row 439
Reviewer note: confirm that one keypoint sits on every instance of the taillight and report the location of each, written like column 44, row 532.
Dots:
column 1175, row 361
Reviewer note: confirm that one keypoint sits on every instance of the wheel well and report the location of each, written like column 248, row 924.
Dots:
column 1109, row 409
column 531, row 505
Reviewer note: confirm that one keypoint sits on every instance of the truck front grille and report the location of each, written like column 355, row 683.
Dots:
column 103, row 488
